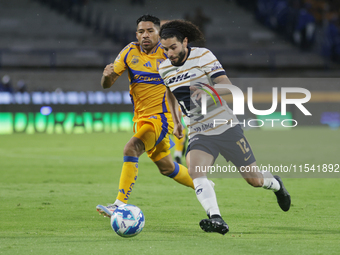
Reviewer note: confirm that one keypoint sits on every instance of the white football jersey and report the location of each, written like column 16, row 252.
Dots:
column 200, row 67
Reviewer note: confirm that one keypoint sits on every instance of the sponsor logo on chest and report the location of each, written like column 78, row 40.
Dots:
column 180, row 77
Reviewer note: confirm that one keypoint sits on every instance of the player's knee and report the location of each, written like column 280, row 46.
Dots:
column 129, row 150
column 255, row 182
column 134, row 148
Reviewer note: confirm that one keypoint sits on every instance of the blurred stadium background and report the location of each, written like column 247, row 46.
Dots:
column 52, row 53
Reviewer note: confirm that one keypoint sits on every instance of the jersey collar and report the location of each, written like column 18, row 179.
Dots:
column 152, row 52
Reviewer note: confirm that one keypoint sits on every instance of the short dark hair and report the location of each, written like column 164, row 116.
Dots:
column 150, row 18
column 181, row 29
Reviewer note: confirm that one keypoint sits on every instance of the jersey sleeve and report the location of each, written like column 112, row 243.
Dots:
column 120, row 62
column 162, row 73
column 210, row 65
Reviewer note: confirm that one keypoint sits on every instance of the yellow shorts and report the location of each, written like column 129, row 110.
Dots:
column 154, row 132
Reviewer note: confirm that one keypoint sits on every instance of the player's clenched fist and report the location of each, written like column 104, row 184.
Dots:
column 109, row 76
column 178, row 131
column 109, row 70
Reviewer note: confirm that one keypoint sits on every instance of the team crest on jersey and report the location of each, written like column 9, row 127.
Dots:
column 135, row 59
column 158, row 62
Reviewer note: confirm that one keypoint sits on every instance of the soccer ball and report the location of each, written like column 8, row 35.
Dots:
column 127, row 220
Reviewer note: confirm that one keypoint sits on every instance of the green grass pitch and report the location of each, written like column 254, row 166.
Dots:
column 51, row 184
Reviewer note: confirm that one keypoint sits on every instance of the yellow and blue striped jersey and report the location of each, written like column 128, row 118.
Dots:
column 146, row 86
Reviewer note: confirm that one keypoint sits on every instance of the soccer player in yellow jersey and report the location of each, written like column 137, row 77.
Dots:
column 153, row 121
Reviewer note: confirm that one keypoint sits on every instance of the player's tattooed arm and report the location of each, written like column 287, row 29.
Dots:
column 109, row 76
column 218, row 84
column 222, row 79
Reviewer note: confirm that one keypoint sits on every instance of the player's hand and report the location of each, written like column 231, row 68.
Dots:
column 108, row 70
column 196, row 92
column 178, row 130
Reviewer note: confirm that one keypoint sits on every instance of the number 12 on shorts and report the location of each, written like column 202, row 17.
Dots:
column 243, row 145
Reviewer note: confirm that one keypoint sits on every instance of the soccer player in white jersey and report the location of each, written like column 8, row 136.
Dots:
column 186, row 71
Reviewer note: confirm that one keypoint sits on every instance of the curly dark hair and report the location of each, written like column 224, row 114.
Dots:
column 148, row 17
column 181, row 29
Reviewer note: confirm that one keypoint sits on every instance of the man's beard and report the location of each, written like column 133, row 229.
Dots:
column 181, row 56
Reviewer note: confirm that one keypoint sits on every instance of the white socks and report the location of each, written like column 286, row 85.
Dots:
column 118, row 202
column 269, row 182
column 206, row 195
